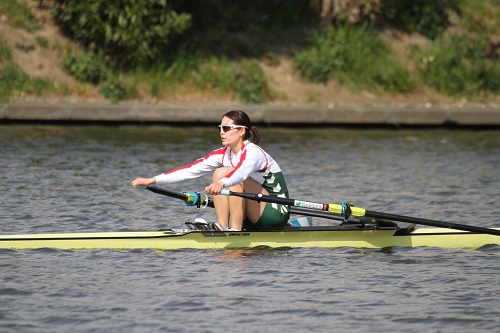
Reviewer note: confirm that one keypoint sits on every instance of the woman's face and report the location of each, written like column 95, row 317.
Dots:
column 231, row 136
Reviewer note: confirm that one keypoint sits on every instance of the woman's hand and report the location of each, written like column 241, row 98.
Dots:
column 214, row 188
column 143, row 182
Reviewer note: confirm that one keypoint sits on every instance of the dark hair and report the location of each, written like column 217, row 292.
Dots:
column 241, row 118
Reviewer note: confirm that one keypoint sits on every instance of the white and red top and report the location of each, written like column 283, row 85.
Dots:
column 251, row 161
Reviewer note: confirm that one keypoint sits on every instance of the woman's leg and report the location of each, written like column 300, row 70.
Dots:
column 254, row 209
column 227, row 207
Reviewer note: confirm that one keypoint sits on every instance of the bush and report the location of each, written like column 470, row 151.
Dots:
column 251, row 84
column 85, row 66
column 356, row 57
column 481, row 17
column 113, row 89
column 246, row 78
column 90, row 67
column 216, row 73
column 423, row 16
column 129, row 31
column 459, row 66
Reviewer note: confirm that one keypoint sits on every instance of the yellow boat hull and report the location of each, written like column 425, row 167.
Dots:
column 329, row 237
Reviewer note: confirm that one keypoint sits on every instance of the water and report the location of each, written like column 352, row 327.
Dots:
column 77, row 179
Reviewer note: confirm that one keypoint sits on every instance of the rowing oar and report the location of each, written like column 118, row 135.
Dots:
column 195, row 199
column 347, row 210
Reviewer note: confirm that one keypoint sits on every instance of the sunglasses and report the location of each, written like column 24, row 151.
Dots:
column 227, row 128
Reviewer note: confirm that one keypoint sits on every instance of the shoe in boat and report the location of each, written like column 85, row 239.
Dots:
column 201, row 224
column 219, row 227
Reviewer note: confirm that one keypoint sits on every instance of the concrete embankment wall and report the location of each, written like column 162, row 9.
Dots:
column 270, row 115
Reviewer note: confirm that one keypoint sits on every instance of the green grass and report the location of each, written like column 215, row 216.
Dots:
column 19, row 15
column 459, row 66
column 190, row 66
column 14, row 82
column 481, row 17
column 356, row 57
column 42, row 41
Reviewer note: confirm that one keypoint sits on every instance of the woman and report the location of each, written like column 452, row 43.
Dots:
column 239, row 166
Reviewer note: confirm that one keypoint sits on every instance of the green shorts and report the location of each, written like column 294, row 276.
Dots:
column 271, row 218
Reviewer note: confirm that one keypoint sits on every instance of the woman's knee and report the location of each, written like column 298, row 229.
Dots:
column 252, row 186
column 220, row 173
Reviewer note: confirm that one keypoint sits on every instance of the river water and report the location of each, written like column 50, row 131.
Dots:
column 77, row 179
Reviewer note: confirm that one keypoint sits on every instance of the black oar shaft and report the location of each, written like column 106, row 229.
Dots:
column 170, row 193
column 179, row 195
column 433, row 223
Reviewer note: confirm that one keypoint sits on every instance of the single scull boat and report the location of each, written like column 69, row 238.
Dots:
column 358, row 229
column 327, row 237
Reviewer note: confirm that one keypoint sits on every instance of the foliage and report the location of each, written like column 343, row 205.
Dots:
column 422, row 16
column 216, row 73
column 85, row 66
column 250, row 83
column 129, row 31
column 5, row 54
column 479, row 16
column 189, row 64
column 91, row 67
column 14, row 81
column 459, row 66
column 42, row 41
column 19, row 15
column 247, row 28
column 246, row 78
column 356, row 57
column 113, row 89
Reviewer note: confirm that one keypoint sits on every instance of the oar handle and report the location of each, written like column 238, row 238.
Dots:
column 190, row 198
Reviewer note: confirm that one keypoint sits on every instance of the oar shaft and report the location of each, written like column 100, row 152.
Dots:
column 169, row 193
column 433, row 223
column 331, row 208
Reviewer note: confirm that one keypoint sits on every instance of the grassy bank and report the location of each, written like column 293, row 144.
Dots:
column 357, row 56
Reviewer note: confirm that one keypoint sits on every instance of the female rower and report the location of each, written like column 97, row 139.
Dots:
column 239, row 166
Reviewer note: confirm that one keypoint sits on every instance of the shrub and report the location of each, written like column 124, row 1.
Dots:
column 459, row 66
column 479, row 16
column 113, row 89
column 251, row 84
column 422, row 16
column 85, row 66
column 356, row 57
column 216, row 73
column 246, row 78
column 129, row 31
